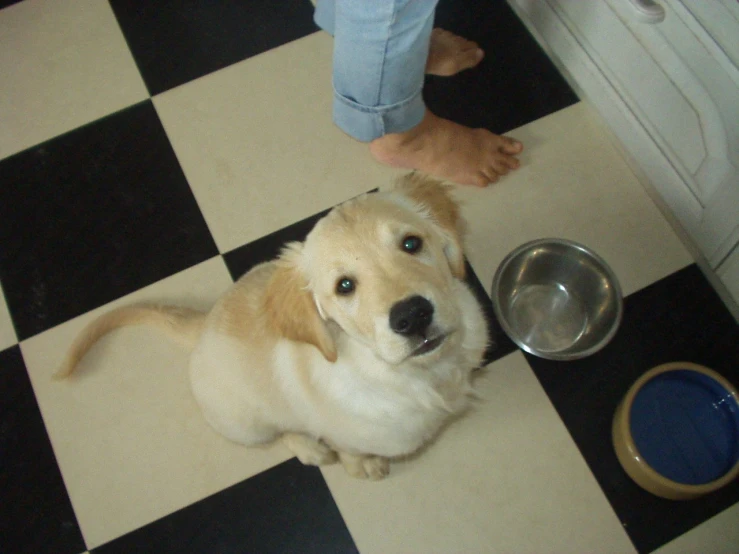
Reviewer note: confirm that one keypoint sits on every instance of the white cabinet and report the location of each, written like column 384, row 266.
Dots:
column 669, row 91
column 729, row 273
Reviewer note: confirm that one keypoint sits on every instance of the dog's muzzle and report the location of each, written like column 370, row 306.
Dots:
column 428, row 345
column 412, row 318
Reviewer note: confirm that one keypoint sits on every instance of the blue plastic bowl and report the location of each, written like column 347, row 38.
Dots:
column 676, row 433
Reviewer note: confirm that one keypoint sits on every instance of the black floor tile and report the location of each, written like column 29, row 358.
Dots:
column 288, row 508
column 679, row 318
column 93, row 215
column 35, row 512
column 6, row 3
column 515, row 84
column 176, row 41
column 500, row 345
column 242, row 259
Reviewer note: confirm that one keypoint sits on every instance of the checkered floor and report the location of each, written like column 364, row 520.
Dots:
column 157, row 150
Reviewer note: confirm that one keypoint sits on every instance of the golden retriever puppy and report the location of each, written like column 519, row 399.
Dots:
column 357, row 343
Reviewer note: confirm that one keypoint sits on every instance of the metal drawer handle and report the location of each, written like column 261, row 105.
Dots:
column 647, row 11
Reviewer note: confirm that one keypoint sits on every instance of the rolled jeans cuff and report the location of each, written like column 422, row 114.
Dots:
column 366, row 123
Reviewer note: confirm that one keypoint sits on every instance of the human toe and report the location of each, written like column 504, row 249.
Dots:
column 500, row 167
column 483, row 178
column 471, row 57
column 489, row 176
column 509, row 162
column 510, row 146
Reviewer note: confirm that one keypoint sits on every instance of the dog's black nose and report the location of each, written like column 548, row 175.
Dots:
column 411, row 316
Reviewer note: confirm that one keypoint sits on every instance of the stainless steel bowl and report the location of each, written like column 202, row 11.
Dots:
column 557, row 299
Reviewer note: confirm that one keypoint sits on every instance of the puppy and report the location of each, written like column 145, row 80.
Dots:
column 357, row 344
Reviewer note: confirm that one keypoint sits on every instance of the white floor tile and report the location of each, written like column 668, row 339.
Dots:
column 505, row 478
column 572, row 184
column 128, row 435
column 258, row 146
column 62, row 64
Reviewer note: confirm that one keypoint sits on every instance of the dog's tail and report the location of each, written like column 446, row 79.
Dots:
column 181, row 324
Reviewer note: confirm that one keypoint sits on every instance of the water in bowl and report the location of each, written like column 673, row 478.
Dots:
column 686, row 427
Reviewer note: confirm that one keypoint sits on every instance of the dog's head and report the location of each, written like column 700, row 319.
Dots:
column 382, row 268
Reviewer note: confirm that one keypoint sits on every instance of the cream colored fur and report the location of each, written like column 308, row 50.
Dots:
column 282, row 355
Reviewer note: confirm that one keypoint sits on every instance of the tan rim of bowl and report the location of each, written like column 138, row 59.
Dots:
column 630, row 458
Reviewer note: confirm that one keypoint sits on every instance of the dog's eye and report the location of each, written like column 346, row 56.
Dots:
column 345, row 286
column 411, row 244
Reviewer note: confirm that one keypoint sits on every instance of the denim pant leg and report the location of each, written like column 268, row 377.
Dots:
column 379, row 60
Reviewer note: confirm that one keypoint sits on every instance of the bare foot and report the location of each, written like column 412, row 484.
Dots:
column 449, row 151
column 449, row 54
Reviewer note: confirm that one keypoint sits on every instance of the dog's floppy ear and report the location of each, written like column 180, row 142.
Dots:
column 290, row 308
column 435, row 197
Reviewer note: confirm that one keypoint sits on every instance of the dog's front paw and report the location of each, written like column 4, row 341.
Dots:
column 309, row 451
column 373, row 468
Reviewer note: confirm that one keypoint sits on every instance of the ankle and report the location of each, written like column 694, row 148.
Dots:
column 395, row 149
column 395, row 141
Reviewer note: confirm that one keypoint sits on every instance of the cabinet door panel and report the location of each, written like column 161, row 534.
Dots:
column 680, row 84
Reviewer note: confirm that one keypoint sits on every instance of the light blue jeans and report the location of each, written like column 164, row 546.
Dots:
column 379, row 60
